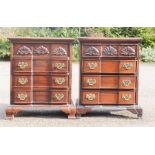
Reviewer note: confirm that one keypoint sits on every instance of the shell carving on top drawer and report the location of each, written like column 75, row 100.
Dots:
column 41, row 50
column 128, row 51
column 111, row 51
column 60, row 51
column 91, row 51
column 24, row 50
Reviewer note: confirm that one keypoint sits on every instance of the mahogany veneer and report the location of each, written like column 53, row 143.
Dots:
column 109, row 74
column 41, row 75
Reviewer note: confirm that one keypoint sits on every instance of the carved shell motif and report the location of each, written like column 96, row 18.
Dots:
column 41, row 50
column 110, row 51
column 59, row 51
column 91, row 51
column 128, row 51
column 24, row 50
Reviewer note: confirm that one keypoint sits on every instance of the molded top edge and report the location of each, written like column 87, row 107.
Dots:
column 104, row 39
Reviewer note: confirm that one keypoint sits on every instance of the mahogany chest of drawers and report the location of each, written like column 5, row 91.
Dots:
column 109, row 74
column 40, row 73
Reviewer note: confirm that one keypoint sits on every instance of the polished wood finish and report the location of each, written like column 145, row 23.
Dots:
column 41, row 72
column 109, row 70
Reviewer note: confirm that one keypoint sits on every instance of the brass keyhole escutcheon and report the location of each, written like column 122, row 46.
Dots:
column 59, row 80
column 90, row 97
column 92, row 65
column 59, row 96
column 126, row 97
column 22, row 96
column 22, row 65
column 23, row 81
column 59, row 65
column 91, row 82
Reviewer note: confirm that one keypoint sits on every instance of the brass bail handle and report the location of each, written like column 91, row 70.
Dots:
column 90, row 97
column 92, row 65
column 127, row 66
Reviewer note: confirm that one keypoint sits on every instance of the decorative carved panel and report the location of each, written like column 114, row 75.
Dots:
column 128, row 51
column 110, row 51
column 59, row 51
column 91, row 51
column 41, row 50
column 24, row 50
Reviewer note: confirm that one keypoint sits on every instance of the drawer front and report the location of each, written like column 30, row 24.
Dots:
column 119, row 51
column 90, row 97
column 22, row 97
column 127, row 82
column 90, row 81
column 108, row 82
column 116, row 66
column 23, row 65
column 41, row 50
column 127, row 97
column 41, row 81
column 107, row 97
column 128, row 66
column 91, row 51
column 59, row 66
column 41, row 97
column 41, row 65
column 60, row 50
column 110, row 51
column 22, row 81
column 59, row 97
column 91, row 66
column 128, row 51
column 59, row 81
column 23, row 50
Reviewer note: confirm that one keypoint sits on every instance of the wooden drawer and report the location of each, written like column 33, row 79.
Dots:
column 21, row 81
column 109, row 66
column 60, row 50
column 23, row 50
column 107, row 97
column 59, row 81
column 22, row 97
column 41, row 81
column 108, row 82
column 91, row 50
column 22, row 65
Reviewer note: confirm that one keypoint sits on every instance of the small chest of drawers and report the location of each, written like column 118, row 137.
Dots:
column 41, row 73
column 109, row 73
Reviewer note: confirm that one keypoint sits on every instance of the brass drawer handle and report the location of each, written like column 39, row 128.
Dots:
column 126, row 83
column 23, row 81
column 91, row 82
column 22, row 96
column 59, row 96
column 90, row 97
column 59, row 80
column 92, row 65
column 22, row 65
column 127, row 66
column 59, row 65
column 126, row 97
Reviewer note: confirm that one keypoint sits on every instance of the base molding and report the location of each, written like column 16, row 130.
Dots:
column 69, row 109
column 84, row 109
